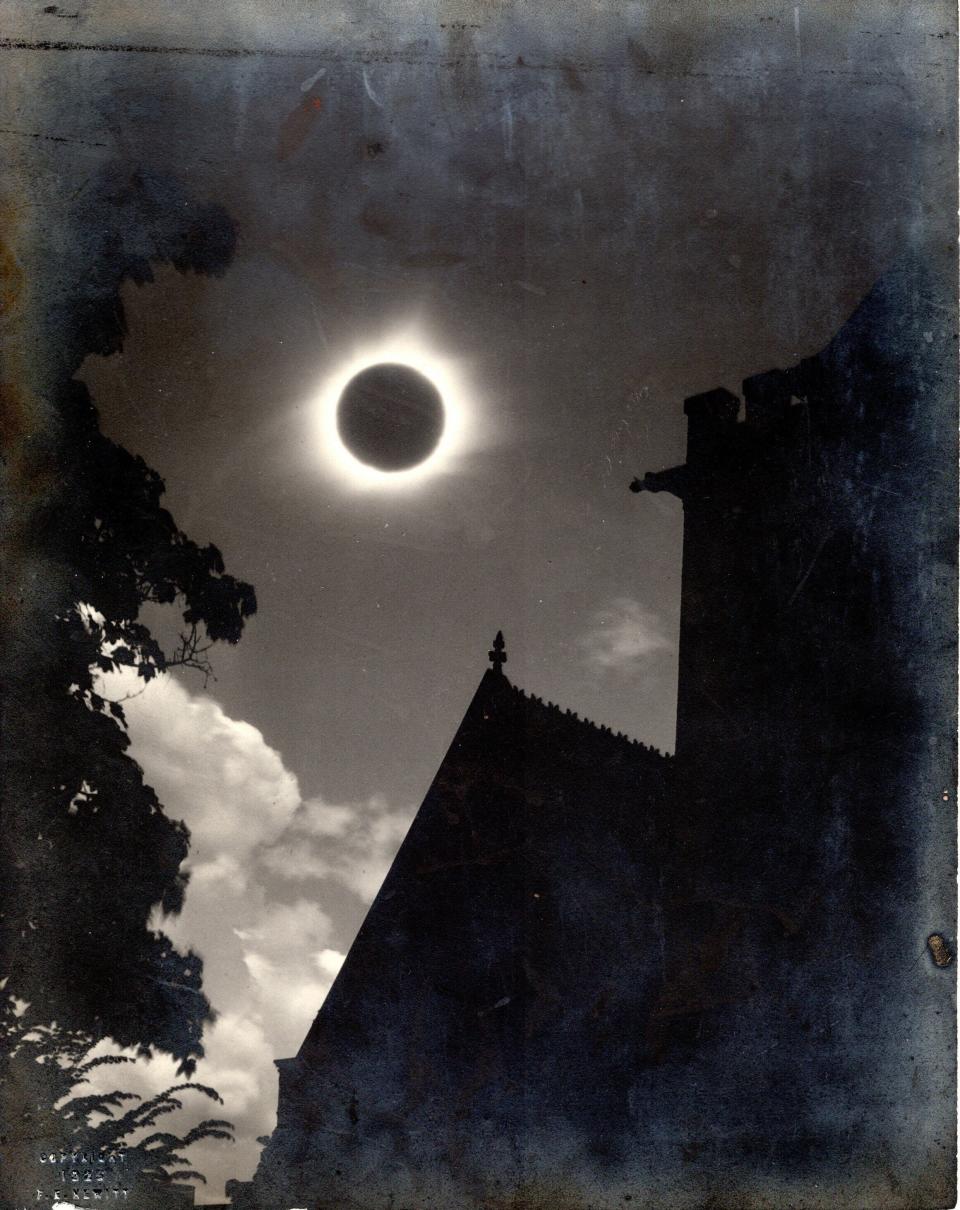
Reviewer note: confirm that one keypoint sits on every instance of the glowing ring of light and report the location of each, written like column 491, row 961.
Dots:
column 409, row 351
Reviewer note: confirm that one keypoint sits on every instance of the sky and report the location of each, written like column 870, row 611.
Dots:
column 572, row 216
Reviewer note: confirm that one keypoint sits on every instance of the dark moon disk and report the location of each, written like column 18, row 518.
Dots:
column 390, row 417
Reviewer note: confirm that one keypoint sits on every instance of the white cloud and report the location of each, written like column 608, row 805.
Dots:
column 329, row 962
column 216, row 773
column 353, row 845
column 621, row 635
column 283, row 927
column 261, row 861
column 290, row 965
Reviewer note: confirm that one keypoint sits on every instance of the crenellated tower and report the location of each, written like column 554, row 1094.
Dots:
column 596, row 974
column 812, row 719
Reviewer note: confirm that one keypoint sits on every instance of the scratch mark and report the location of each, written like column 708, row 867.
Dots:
column 370, row 93
column 806, row 575
column 495, row 62
column 309, row 82
column 887, row 491
column 214, row 52
column 796, row 32
column 49, row 138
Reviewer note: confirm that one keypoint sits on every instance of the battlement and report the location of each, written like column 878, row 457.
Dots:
column 768, row 396
column 721, row 425
column 712, row 408
column 767, row 400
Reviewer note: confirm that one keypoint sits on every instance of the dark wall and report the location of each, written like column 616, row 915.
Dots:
column 485, row 990
column 596, row 973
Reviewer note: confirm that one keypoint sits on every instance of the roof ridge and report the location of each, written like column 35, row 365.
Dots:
column 617, row 737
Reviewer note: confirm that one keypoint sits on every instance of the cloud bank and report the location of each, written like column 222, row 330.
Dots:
column 621, row 636
column 269, row 874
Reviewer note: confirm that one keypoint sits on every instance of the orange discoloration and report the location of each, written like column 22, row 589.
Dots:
column 12, row 419
column 297, row 125
column 11, row 280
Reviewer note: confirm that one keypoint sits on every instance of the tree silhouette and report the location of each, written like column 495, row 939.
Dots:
column 86, row 850
column 46, row 1114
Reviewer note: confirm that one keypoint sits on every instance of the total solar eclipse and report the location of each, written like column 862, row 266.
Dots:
column 390, row 417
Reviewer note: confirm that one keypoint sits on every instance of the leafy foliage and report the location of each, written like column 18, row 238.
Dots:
column 45, row 1112
column 86, row 852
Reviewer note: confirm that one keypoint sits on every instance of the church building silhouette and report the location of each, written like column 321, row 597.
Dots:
column 597, row 974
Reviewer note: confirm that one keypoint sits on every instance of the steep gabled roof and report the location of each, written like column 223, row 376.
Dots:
column 516, row 765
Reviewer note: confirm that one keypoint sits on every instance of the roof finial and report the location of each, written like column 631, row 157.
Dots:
column 498, row 656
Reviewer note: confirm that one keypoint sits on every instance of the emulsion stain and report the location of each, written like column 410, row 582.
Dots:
column 380, row 222
column 11, row 279
column 571, row 77
column 639, row 57
column 297, row 125
column 939, row 949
